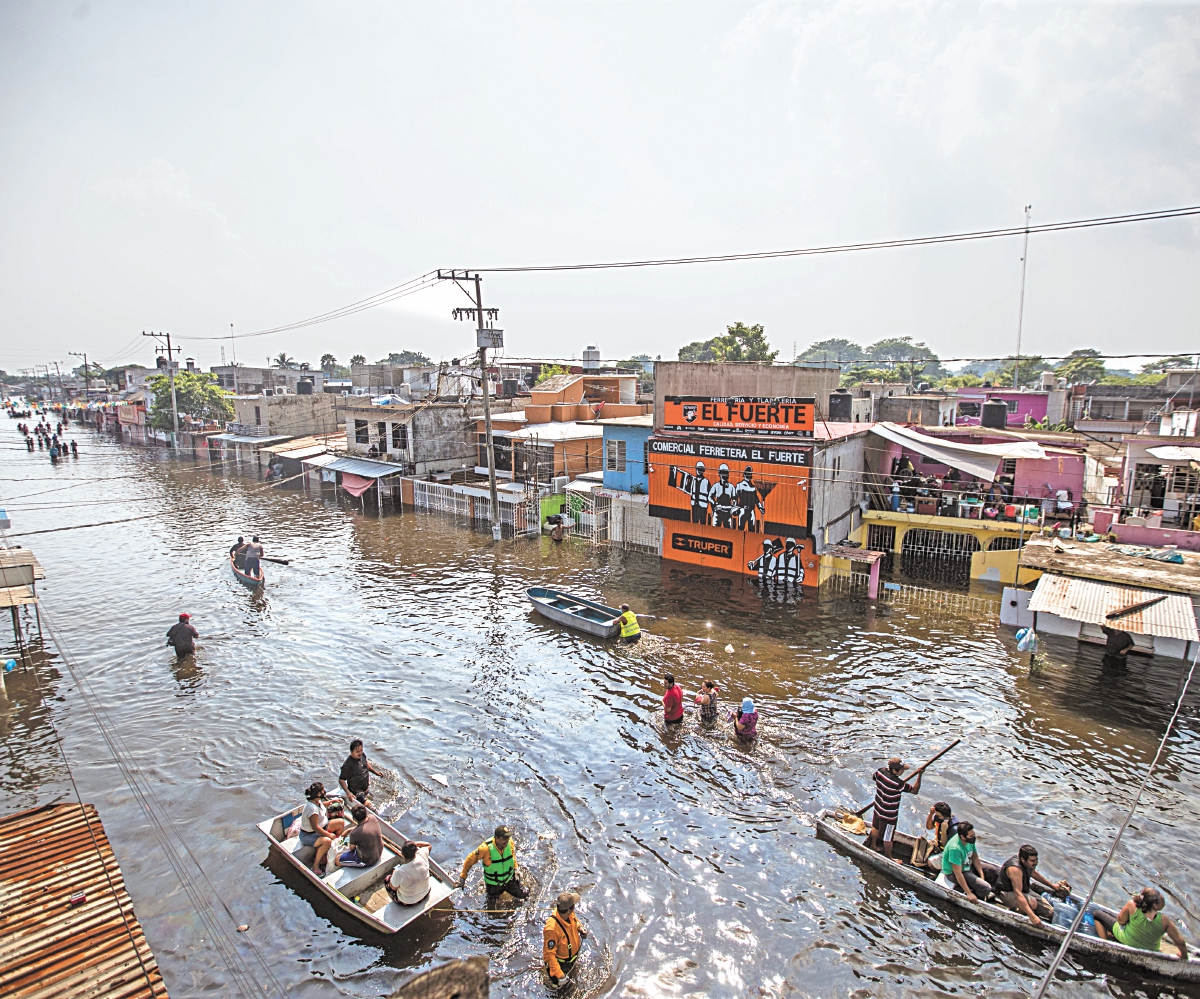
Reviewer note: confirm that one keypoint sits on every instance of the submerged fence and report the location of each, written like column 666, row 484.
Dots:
column 840, row 580
column 518, row 511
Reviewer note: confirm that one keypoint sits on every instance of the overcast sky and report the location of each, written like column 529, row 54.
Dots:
column 184, row 166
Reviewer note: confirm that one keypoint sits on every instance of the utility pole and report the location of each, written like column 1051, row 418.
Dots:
column 62, row 392
column 1021, row 308
column 233, row 346
column 485, row 336
column 171, row 376
column 87, row 379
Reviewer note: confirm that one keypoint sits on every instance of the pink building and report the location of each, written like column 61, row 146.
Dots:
column 1032, row 404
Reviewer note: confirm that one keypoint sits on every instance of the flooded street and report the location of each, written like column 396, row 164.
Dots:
column 696, row 860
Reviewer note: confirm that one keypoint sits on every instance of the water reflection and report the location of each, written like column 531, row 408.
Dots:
column 698, row 868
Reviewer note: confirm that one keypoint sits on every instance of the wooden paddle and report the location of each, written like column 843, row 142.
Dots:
column 1126, row 611
column 921, row 769
column 277, row 561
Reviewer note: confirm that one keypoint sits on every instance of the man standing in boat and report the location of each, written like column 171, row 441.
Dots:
column 355, row 775
column 254, row 551
column 889, row 786
column 499, row 858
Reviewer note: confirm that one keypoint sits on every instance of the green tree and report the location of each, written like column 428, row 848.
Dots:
column 1164, row 364
column 1030, row 372
column 965, row 380
column 549, row 371
column 834, row 350
column 328, row 362
column 358, row 359
column 740, row 343
column 282, row 360
column 406, row 358
column 1081, row 366
column 197, row 395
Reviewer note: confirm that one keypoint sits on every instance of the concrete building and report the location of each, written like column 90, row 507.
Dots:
column 287, row 414
column 413, row 381
column 430, row 438
column 927, row 409
column 762, row 381
column 1024, row 405
column 243, row 380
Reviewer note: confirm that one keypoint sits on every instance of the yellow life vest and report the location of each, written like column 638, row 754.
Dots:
column 629, row 625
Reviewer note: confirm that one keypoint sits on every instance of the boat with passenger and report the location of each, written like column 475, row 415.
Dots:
column 845, row 830
column 249, row 579
column 359, row 891
column 575, row 612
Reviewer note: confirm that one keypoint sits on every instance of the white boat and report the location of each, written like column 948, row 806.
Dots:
column 1165, row 963
column 575, row 612
column 359, row 890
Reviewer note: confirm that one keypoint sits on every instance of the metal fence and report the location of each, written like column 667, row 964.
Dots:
column 905, row 594
column 519, row 512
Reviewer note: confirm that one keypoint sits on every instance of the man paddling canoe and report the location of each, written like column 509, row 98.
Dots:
column 889, row 786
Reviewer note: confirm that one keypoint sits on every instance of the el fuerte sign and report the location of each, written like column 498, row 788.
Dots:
column 751, row 415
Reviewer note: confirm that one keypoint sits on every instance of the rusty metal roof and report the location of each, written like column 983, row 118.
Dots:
column 67, row 926
column 1091, row 602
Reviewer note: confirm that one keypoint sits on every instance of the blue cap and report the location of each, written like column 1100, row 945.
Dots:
column 747, row 705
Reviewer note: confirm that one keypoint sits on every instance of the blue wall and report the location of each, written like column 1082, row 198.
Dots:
column 634, row 477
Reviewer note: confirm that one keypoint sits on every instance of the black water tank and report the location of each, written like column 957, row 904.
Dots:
column 840, row 406
column 994, row 414
column 304, row 386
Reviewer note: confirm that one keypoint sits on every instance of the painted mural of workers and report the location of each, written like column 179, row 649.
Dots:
column 722, row 497
column 767, row 564
column 696, row 486
column 750, row 506
column 789, row 569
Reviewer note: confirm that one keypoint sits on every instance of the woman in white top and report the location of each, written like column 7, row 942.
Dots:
column 316, row 828
column 409, row 880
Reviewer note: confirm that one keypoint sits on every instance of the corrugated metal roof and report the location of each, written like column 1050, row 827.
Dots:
column 1090, row 601
column 296, row 454
column 319, row 460
column 49, row 947
column 365, row 467
column 1172, row 452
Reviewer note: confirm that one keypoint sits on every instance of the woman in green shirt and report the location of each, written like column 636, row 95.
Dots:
column 1141, row 924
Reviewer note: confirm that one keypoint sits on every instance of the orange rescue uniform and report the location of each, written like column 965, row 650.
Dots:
column 562, row 941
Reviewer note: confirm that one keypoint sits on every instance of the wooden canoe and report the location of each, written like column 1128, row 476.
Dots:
column 245, row 577
column 358, row 891
column 575, row 612
column 1162, row 964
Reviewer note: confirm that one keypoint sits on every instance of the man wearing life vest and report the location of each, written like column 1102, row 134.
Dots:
column 631, row 631
column 499, row 860
column 562, row 937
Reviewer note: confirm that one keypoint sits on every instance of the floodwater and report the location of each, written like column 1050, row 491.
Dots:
column 695, row 857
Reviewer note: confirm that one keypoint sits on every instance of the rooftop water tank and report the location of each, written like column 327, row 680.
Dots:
column 994, row 414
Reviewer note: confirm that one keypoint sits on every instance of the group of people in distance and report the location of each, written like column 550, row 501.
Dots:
column 1016, row 884
column 745, row 718
column 322, row 823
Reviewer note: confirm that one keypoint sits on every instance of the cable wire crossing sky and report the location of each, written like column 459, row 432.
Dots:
column 185, row 168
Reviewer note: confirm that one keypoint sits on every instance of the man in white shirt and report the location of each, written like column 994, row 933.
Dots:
column 409, row 880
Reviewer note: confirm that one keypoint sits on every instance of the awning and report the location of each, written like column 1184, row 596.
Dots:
column 1172, row 452
column 319, row 460
column 364, row 467
column 980, row 460
column 356, row 485
column 300, row 453
column 1091, row 602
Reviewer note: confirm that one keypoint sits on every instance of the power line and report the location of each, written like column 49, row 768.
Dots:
column 885, row 244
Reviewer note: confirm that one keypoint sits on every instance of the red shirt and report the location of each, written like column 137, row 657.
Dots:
column 673, row 703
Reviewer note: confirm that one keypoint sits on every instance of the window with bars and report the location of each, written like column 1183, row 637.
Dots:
column 361, row 434
column 1010, row 467
column 399, row 437
column 614, row 456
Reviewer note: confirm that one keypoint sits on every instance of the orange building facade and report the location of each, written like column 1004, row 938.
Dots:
column 730, row 479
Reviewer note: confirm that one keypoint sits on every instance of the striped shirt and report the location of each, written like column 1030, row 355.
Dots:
column 888, row 788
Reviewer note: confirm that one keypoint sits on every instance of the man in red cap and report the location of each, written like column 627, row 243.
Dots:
column 183, row 636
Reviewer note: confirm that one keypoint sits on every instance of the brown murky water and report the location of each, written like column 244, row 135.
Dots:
column 697, row 864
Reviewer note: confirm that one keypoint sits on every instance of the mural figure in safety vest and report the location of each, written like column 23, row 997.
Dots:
column 696, row 486
column 779, row 563
column 749, row 502
column 723, row 499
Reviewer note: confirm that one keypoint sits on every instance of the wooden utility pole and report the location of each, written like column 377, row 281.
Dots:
column 87, row 378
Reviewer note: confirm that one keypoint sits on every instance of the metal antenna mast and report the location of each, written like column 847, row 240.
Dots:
column 1021, row 308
